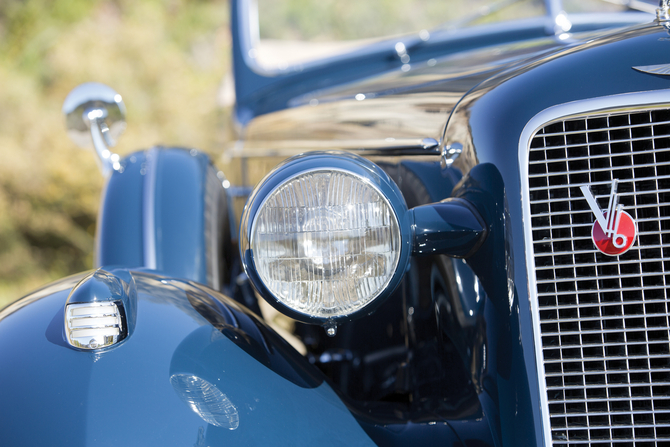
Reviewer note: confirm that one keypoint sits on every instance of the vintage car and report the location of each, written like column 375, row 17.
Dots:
column 462, row 236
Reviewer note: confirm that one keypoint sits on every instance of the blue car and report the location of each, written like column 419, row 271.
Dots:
column 458, row 236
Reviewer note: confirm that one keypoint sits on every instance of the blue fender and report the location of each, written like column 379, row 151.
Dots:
column 166, row 210
column 197, row 369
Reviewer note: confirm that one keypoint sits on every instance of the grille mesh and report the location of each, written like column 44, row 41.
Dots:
column 604, row 320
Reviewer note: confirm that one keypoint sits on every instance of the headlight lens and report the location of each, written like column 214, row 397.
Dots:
column 326, row 242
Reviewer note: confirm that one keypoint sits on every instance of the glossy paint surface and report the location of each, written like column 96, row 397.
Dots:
column 155, row 214
column 452, row 228
column 448, row 358
column 125, row 396
column 392, row 108
column 489, row 122
column 120, row 241
column 259, row 92
column 479, row 307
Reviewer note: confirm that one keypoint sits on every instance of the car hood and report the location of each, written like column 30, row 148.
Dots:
column 396, row 106
column 395, row 109
column 196, row 370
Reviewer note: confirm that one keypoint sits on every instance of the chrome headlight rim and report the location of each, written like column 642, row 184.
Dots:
column 345, row 162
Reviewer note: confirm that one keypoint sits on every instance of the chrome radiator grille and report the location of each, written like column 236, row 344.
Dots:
column 603, row 320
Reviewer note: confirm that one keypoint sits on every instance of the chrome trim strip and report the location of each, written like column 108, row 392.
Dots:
column 604, row 331
column 655, row 260
column 622, row 275
column 587, row 131
column 572, row 213
column 213, row 190
column 595, row 157
column 630, row 343
column 641, row 165
column 389, row 146
column 623, row 289
column 149, row 209
column 564, row 226
column 593, row 106
column 614, row 399
column 602, row 318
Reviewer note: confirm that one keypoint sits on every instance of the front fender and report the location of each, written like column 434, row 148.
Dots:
column 166, row 210
column 138, row 393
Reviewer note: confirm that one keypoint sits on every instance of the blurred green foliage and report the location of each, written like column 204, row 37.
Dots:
column 326, row 20
column 166, row 57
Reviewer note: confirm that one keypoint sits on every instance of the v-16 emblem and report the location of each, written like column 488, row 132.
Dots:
column 614, row 230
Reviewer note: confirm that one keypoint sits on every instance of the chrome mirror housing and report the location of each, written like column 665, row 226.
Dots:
column 95, row 117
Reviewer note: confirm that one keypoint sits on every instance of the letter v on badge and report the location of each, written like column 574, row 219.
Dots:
column 614, row 230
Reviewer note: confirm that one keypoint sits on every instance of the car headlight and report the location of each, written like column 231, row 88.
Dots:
column 325, row 237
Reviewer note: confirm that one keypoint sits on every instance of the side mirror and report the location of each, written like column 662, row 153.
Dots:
column 95, row 117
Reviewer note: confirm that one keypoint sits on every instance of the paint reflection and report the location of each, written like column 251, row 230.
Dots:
column 206, row 400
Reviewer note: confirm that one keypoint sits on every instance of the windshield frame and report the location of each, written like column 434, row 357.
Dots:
column 259, row 90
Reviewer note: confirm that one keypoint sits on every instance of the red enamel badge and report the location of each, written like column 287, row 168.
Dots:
column 614, row 230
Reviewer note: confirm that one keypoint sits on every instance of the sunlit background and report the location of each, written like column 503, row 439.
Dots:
column 166, row 57
column 170, row 60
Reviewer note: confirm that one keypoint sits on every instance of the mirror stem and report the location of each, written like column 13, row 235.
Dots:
column 107, row 160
